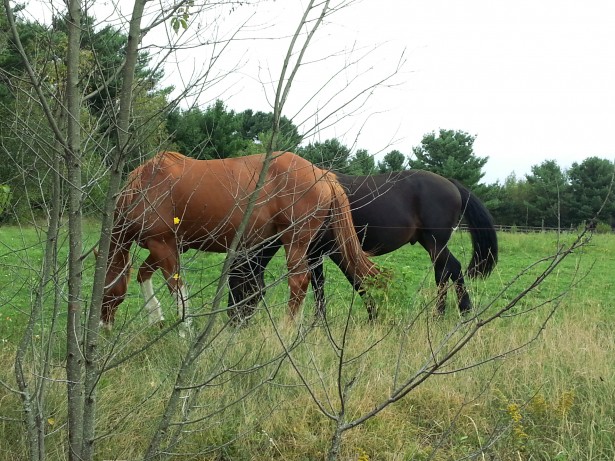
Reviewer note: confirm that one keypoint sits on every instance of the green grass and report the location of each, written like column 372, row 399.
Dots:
column 553, row 400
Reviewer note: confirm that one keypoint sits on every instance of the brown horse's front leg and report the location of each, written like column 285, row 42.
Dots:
column 116, row 283
column 144, row 278
column 298, row 284
column 112, row 298
column 163, row 255
column 171, row 271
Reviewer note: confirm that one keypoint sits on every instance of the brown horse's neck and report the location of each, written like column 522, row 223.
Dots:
column 354, row 258
column 116, row 281
column 119, row 262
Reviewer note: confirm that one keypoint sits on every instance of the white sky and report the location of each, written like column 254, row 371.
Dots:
column 532, row 79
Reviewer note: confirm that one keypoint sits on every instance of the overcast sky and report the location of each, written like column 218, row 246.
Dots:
column 532, row 79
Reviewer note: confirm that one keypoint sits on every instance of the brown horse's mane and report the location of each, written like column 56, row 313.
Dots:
column 161, row 156
column 134, row 181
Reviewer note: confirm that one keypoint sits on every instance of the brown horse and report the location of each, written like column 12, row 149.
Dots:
column 173, row 203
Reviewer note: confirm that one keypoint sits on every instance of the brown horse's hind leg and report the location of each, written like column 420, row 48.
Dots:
column 298, row 275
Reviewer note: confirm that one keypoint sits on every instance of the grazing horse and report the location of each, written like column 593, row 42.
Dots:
column 173, row 203
column 389, row 211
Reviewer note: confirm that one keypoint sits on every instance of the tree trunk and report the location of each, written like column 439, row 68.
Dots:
column 92, row 369
column 74, row 358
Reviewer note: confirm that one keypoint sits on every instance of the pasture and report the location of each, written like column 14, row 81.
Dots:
column 536, row 384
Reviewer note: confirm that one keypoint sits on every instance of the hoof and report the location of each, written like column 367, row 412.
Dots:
column 185, row 328
column 157, row 321
column 105, row 326
column 240, row 318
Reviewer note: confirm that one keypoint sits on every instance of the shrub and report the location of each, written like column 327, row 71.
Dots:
column 603, row 228
column 5, row 198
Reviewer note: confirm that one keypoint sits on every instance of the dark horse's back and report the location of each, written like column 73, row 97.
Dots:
column 390, row 210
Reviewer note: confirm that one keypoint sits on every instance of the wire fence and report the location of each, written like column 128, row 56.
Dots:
column 534, row 229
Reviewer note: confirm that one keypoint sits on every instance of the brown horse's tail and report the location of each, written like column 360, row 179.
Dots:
column 354, row 259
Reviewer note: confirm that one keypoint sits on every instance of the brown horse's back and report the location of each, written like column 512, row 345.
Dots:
column 182, row 196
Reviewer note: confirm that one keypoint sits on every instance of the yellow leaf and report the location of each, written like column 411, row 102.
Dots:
column 176, row 220
column 51, row 421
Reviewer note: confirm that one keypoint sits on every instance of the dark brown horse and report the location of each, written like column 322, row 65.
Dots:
column 173, row 203
column 389, row 211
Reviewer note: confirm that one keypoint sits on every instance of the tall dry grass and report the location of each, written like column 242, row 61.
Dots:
column 552, row 400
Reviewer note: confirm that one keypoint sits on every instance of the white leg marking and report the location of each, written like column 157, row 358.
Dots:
column 183, row 306
column 152, row 305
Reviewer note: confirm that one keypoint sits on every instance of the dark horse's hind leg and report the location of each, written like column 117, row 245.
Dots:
column 318, row 285
column 247, row 283
column 246, row 290
column 446, row 267
column 356, row 284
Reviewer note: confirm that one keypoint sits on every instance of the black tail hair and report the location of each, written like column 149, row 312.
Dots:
column 482, row 230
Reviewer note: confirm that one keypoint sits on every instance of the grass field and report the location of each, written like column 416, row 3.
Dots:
column 553, row 399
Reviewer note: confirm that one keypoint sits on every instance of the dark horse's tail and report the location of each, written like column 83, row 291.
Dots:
column 482, row 230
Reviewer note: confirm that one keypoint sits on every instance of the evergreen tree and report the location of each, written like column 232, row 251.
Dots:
column 393, row 161
column 330, row 155
column 548, row 204
column 214, row 133
column 450, row 154
column 258, row 126
column 590, row 189
column 508, row 202
column 362, row 164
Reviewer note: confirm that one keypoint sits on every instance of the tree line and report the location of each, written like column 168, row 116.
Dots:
column 80, row 105
column 549, row 196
